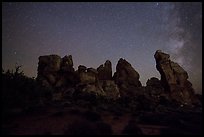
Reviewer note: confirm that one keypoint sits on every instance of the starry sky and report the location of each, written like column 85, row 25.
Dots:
column 95, row 32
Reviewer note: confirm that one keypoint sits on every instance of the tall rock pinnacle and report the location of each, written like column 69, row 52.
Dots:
column 174, row 78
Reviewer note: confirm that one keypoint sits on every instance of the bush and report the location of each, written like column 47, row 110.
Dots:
column 21, row 91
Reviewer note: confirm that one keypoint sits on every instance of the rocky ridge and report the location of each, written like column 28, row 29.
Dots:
column 59, row 75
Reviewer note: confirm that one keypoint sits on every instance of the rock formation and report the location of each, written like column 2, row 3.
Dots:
column 106, row 81
column 54, row 71
column 105, row 71
column 154, row 82
column 67, row 64
column 174, row 78
column 126, row 77
column 89, row 81
column 59, row 75
column 48, row 67
column 110, row 88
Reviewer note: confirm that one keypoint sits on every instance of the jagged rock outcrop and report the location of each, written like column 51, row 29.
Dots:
column 54, row 71
column 87, row 76
column 48, row 68
column 59, row 75
column 154, row 82
column 174, row 78
column 110, row 88
column 49, row 63
column 81, row 68
column 105, row 71
column 89, row 81
column 67, row 64
column 126, row 77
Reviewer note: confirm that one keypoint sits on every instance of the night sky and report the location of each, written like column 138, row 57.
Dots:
column 95, row 32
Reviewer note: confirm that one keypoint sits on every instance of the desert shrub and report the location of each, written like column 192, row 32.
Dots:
column 19, row 90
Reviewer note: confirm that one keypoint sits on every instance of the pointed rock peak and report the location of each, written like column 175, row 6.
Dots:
column 92, row 70
column 67, row 57
column 121, row 59
column 126, row 75
column 82, row 68
column 107, row 63
column 105, row 71
column 159, row 55
column 67, row 60
column 173, row 78
column 122, row 62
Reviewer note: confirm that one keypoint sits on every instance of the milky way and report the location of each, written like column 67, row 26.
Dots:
column 95, row 32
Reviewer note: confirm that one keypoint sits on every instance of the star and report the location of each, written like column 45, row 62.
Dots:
column 93, row 31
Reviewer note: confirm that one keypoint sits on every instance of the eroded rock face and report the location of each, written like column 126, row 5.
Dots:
column 105, row 71
column 59, row 75
column 87, row 76
column 126, row 77
column 67, row 64
column 154, row 82
column 174, row 78
column 54, row 71
column 49, row 64
column 89, row 81
column 110, row 88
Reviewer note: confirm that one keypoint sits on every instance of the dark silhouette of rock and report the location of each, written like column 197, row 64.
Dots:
column 49, row 63
column 126, row 77
column 89, row 81
column 54, row 72
column 48, row 67
column 59, row 75
column 111, row 89
column 154, row 82
column 81, row 68
column 87, row 77
column 174, row 78
column 67, row 64
column 105, row 71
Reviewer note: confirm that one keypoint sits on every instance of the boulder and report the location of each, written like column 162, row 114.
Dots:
column 154, row 82
column 67, row 64
column 51, row 78
column 111, row 89
column 174, row 78
column 81, row 68
column 49, row 63
column 105, row 71
column 60, row 82
column 88, row 81
column 87, row 77
column 54, row 72
column 94, row 89
column 126, row 77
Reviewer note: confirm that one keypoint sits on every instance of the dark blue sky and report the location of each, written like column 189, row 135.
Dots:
column 95, row 32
